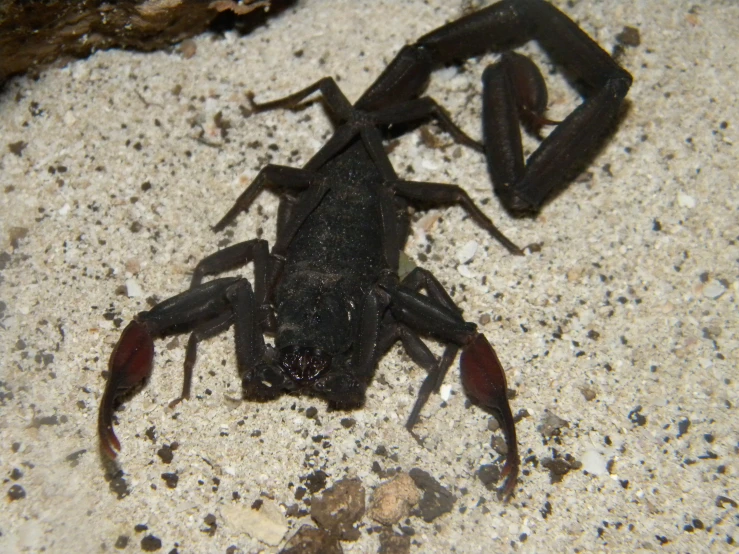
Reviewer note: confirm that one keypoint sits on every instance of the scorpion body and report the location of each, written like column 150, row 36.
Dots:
column 329, row 289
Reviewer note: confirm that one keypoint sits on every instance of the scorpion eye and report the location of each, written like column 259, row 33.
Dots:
column 304, row 364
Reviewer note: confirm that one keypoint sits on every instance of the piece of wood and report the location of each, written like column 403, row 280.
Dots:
column 37, row 33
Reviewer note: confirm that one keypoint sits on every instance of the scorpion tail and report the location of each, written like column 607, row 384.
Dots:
column 130, row 364
column 484, row 381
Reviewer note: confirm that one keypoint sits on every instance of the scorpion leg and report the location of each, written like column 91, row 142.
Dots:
column 279, row 176
column 437, row 369
column 416, row 280
column 232, row 257
column 131, row 361
column 427, row 192
column 483, row 377
column 392, row 331
column 439, row 193
column 339, row 106
column 424, row 108
column 236, row 255
column 202, row 332
column 327, row 86
column 292, row 216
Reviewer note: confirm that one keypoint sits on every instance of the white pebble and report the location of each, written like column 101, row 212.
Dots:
column 467, row 252
column 464, row 271
column 133, row 290
column 445, row 392
column 714, row 289
column 593, row 462
column 685, row 200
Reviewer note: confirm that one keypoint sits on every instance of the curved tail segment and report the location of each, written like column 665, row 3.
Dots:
column 130, row 365
column 484, row 381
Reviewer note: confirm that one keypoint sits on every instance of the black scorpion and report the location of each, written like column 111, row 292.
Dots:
column 329, row 290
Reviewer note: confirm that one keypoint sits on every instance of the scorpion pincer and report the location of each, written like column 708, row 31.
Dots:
column 329, row 289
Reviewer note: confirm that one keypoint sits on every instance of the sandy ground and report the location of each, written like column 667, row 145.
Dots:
column 623, row 325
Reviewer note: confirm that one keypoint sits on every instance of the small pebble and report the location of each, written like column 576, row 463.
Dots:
column 594, row 463
column 714, row 289
column 133, row 290
column 393, row 500
column 267, row 524
column 339, row 507
column 467, row 253
column 685, row 200
column 464, row 271
column 16, row 492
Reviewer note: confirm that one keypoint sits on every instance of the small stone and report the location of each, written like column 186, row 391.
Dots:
column 267, row 524
column 310, row 540
column 630, row 36
column 150, row 543
column 171, row 479
column 315, row 481
column 133, row 290
column 594, row 463
column 394, row 543
column 339, row 507
column 393, row 500
column 714, row 289
column 552, row 424
column 685, row 200
column 188, row 48
column 574, row 275
column 467, row 253
column 489, row 474
column 464, row 271
column 499, row 444
column 405, row 265
column 133, row 266
column 588, row 393
column 166, row 453
column 560, row 466
column 16, row 492
column 69, row 119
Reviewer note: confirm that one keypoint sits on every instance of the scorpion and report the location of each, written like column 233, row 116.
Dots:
column 329, row 289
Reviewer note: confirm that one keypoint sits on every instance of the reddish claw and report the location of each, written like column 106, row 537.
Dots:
column 484, row 381
column 130, row 364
